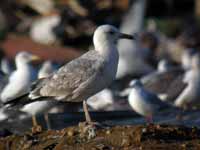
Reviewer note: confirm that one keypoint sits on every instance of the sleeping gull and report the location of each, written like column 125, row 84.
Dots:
column 144, row 102
column 83, row 77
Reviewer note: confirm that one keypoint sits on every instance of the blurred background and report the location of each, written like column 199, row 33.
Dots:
column 58, row 31
column 68, row 25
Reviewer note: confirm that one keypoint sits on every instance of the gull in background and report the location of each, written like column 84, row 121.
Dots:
column 184, row 80
column 83, row 77
column 45, row 26
column 20, row 80
column 144, row 102
column 131, row 60
column 191, row 95
column 157, row 81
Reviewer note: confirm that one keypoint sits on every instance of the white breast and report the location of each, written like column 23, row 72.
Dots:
column 139, row 104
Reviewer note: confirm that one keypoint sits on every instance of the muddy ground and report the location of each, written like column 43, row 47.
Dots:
column 133, row 137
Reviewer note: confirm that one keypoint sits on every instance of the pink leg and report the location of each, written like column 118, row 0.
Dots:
column 87, row 115
column 149, row 119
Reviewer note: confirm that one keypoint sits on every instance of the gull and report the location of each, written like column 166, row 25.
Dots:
column 46, row 70
column 20, row 80
column 158, row 80
column 190, row 95
column 170, row 83
column 185, row 80
column 144, row 102
column 131, row 60
column 84, row 76
column 45, row 26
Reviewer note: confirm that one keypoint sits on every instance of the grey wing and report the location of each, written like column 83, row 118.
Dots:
column 153, row 98
column 159, row 82
column 70, row 78
column 157, row 104
column 175, row 88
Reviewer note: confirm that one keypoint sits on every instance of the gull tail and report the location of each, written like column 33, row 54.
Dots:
column 19, row 101
column 23, row 100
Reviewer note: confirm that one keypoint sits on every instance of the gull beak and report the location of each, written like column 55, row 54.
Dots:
column 34, row 58
column 127, row 36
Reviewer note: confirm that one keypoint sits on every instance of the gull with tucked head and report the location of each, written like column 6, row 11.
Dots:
column 83, row 77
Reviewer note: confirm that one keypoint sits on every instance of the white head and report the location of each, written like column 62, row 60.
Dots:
column 24, row 58
column 107, row 35
column 135, row 83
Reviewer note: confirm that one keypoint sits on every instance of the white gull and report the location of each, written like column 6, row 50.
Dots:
column 20, row 80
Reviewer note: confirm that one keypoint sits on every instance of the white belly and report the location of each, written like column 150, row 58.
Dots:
column 139, row 105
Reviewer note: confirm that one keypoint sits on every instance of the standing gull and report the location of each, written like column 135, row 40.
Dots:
column 85, row 76
column 19, row 83
column 190, row 95
column 144, row 102
column 131, row 60
column 20, row 80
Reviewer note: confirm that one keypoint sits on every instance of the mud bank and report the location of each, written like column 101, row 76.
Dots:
column 149, row 137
